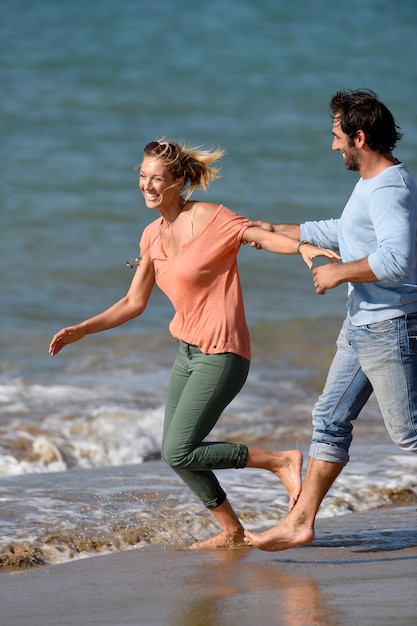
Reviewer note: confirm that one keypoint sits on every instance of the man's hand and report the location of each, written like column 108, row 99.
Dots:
column 261, row 224
column 332, row 275
column 326, row 277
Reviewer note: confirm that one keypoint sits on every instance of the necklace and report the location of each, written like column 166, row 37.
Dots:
column 136, row 262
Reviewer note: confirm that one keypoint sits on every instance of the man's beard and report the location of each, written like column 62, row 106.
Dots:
column 351, row 161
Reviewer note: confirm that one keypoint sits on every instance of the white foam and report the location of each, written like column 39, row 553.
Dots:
column 54, row 428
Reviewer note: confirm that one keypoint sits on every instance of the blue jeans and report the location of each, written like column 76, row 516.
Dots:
column 200, row 387
column 380, row 357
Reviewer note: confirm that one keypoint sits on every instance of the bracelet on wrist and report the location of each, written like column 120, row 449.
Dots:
column 302, row 242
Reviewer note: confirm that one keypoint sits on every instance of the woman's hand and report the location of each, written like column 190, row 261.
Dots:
column 310, row 252
column 127, row 308
column 64, row 337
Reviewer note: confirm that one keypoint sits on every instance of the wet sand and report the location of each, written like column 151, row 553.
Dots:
column 361, row 570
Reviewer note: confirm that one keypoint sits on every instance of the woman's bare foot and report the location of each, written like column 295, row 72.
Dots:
column 281, row 537
column 288, row 467
column 222, row 540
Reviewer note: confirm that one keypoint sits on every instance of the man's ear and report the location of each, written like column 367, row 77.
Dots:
column 360, row 139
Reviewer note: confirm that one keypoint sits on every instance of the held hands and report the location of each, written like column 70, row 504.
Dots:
column 310, row 252
column 325, row 276
column 64, row 337
column 261, row 224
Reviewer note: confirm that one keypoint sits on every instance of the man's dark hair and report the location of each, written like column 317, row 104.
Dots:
column 363, row 110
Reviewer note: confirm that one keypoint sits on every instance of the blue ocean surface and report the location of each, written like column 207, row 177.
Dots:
column 84, row 86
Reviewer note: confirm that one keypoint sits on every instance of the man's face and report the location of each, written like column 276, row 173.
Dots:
column 346, row 146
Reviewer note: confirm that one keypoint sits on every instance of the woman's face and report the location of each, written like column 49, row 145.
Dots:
column 157, row 184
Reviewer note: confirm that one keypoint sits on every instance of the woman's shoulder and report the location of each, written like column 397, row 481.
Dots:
column 212, row 214
column 206, row 210
column 201, row 213
column 152, row 228
column 203, row 208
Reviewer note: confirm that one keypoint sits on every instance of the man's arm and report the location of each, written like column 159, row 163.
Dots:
column 289, row 230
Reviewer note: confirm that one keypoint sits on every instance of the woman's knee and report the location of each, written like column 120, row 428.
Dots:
column 173, row 458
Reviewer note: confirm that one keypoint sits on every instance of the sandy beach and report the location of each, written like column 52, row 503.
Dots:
column 361, row 570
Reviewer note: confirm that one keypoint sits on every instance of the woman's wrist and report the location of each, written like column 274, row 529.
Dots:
column 302, row 242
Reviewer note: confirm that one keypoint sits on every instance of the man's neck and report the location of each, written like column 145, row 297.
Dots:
column 374, row 163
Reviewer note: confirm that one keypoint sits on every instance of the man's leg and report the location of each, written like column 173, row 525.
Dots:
column 298, row 528
column 388, row 355
column 346, row 391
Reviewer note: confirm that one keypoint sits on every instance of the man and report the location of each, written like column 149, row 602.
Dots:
column 377, row 345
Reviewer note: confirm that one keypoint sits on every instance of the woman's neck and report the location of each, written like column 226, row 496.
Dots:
column 171, row 213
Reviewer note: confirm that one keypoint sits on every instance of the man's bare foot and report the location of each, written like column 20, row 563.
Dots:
column 288, row 468
column 280, row 537
column 222, row 540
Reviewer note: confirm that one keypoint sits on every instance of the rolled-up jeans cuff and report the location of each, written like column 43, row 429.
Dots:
column 326, row 452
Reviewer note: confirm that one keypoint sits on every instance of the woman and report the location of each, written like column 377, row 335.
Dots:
column 190, row 252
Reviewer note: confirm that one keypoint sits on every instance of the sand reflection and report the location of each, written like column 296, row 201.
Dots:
column 235, row 590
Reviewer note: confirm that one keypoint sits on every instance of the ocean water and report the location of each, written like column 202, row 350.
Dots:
column 83, row 87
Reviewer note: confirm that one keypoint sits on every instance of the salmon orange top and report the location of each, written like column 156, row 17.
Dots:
column 203, row 285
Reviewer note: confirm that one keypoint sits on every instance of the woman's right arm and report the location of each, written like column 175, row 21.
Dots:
column 129, row 307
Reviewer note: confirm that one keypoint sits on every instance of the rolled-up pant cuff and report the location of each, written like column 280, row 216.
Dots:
column 327, row 452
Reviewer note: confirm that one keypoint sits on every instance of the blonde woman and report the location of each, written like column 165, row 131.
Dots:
column 190, row 252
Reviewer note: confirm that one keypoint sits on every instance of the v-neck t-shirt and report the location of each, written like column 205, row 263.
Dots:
column 202, row 282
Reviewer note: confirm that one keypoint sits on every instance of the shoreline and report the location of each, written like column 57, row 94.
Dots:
column 361, row 569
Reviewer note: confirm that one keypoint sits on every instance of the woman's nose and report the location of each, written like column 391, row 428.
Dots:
column 145, row 185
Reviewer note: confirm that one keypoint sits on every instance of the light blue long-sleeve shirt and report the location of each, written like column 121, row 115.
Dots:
column 379, row 221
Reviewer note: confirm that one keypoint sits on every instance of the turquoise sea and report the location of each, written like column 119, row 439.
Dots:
column 84, row 86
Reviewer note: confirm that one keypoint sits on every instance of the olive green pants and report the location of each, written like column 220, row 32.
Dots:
column 200, row 387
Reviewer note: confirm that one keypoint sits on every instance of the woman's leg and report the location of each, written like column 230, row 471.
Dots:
column 286, row 465
column 200, row 388
column 232, row 534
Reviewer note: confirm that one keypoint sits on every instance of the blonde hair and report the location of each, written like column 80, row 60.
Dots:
column 191, row 163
